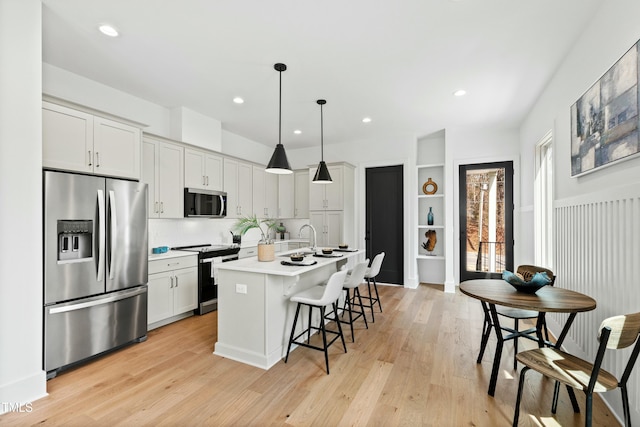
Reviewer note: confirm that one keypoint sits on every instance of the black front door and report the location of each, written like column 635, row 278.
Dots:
column 384, row 221
column 486, row 220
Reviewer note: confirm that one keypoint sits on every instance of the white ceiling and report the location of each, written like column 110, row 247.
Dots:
column 396, row 61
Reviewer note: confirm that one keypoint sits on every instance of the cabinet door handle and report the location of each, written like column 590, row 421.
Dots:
column 171, row 278
column 203, row 180
column 156, row 208
column 97, row 159
column 161, row 207
column 176, row 277
column 90, row 158
column 207, row 180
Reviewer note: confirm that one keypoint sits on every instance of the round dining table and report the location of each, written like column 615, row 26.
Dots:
column 548, row 299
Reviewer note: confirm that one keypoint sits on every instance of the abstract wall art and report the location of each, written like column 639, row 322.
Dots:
column 604, row 121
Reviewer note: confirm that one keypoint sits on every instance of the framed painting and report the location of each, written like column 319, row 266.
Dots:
column 604, row 121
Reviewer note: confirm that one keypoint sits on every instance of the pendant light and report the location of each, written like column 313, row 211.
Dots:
column 279, row 163
column 322, row 174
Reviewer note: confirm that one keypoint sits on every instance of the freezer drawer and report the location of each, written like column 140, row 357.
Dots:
column 76, row 330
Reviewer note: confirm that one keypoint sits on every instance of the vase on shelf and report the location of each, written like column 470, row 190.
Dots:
column 430, row 217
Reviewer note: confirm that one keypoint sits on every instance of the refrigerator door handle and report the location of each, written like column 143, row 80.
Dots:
column 111, row 298
column 101, row 234
column 114, row 233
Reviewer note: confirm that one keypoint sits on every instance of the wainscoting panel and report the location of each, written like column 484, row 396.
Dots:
column 597, row 252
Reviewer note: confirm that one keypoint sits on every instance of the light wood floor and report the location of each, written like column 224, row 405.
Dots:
column 416, row 365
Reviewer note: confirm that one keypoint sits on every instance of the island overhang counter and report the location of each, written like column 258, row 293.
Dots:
column 254, row 311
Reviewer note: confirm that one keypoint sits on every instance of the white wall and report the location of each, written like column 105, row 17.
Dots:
column 22, row 379
column 614, row 30
column 72, row 87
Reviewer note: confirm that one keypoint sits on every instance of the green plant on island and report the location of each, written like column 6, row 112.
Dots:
column 247, row 223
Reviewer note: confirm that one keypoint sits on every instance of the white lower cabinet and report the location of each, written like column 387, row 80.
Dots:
column 248, row 251
column 173, row 290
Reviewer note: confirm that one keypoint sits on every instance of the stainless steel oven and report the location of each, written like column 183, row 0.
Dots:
column 209, row 257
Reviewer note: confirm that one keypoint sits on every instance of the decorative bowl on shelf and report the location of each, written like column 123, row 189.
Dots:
column 327, row 251
column 343, row 246
column 296, row 257
column 537, row 282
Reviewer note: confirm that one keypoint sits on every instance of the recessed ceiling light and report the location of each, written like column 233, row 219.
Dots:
column 366, row 120
column 297, row 131
column 460, row 92
column 108, row 30
column 238, row 100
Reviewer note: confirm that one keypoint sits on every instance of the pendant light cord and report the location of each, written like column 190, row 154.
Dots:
column 321, row 135
column 280, row 111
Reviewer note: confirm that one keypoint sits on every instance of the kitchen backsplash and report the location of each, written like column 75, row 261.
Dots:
column 193, row 231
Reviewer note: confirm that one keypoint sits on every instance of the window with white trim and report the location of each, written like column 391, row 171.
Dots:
column 543, row 201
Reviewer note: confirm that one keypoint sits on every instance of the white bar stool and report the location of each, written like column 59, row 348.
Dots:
column 370, row 275
column 354, row 279
column 319, row 297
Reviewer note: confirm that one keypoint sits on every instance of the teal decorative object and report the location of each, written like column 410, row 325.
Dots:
column 430, row 217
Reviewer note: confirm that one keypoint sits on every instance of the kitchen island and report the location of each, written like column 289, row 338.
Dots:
column 254, row 312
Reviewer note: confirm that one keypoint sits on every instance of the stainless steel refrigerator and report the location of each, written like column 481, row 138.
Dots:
column 95, row 266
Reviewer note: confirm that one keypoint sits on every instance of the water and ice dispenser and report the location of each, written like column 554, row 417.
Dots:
column 75, row 239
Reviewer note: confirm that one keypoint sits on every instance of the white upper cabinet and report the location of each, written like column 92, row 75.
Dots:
column 117, row 148
column 286, row 195
column 79, row 141
column 162, row 170
column 328, row 196
column 301, row 188
column 238, row 184
column 202, row 170
column 265, row 193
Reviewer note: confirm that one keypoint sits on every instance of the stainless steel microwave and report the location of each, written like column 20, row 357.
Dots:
column 204, row 203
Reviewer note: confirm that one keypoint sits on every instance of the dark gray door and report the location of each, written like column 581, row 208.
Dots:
column 384, row 220
column 486, row 220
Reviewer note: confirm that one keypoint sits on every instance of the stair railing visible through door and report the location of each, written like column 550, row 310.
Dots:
column 490, row 257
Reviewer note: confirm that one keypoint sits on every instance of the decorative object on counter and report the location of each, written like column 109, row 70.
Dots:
column 343, row 246
column 322, row 173
column 160, row 250
column 430, row 244
column 537, row 282
column 429, row 187
column 296, row 257
column 327, row 251
column 430, row 217
column 281, row 229
column 266, row 251
column 266, row 248
column 279, row 163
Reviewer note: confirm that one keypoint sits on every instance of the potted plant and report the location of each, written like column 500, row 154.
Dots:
column 266, row 248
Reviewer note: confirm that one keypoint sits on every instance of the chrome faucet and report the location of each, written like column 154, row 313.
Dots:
column 315, row 238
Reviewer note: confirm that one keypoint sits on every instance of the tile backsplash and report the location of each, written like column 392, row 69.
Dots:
column 193, row 231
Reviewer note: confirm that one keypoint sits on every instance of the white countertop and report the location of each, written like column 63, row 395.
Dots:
column 252, row 265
